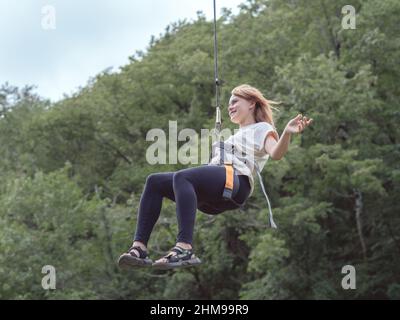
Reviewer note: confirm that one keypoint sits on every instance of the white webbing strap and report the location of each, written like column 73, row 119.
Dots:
column 272, row 223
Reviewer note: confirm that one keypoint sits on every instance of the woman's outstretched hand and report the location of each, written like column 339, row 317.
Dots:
column 298, row 124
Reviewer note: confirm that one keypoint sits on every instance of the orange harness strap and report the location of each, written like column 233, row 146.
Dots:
column 228, row 181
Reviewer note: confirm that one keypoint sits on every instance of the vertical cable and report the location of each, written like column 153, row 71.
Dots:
column 217, row 82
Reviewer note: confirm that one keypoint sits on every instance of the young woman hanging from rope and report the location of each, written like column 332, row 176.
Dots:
column 204, row 186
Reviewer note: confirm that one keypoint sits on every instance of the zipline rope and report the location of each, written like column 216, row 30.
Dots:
column 217, row 82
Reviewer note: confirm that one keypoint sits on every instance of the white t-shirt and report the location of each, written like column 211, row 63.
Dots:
column 248, row 142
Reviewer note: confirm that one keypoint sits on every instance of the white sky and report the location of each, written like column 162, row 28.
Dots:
column 89, row 36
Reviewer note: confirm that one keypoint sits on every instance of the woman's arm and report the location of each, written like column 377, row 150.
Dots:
column 277, row 149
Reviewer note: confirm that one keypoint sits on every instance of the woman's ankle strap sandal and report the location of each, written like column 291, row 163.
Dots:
column 131, row 258
column 178, row 257
column 142, row 253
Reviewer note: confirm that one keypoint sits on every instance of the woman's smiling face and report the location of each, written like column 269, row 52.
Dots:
column 239, row 109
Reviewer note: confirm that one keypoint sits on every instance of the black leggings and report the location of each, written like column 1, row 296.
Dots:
column 185, row 187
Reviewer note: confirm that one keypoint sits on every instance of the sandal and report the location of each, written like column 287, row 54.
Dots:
column 178, row 257
column 131, row 259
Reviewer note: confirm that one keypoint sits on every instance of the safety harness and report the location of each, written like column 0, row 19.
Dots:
column 232, row 182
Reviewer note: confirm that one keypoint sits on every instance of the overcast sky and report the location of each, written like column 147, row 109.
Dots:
column 89, row 36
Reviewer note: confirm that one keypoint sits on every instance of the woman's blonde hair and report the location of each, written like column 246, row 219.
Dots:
column 263, row 108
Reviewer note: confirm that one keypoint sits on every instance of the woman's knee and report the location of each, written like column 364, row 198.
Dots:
column 179, row 176
column 152, row 179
